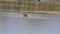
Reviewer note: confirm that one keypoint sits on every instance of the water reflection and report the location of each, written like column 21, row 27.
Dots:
column 14, row 25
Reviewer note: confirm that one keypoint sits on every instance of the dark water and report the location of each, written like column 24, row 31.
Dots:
column 47, row 24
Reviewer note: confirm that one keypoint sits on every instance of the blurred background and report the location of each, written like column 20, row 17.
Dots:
column 12, row 23
column 30, row 5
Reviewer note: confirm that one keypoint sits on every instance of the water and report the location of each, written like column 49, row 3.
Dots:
column 11, row 23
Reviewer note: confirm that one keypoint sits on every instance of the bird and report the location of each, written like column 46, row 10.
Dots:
column 24, row 15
